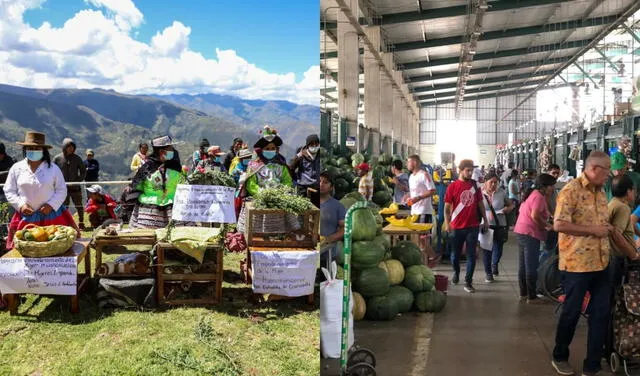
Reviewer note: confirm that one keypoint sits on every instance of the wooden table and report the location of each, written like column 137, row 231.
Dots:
column 395, row 233
column 211, row 278
column 130, row 237
column 80, row 250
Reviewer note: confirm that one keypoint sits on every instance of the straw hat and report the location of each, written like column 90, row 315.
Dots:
column 34, row 139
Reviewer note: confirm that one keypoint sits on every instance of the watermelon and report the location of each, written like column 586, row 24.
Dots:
column 430, row 301
column 381, row 308
column 394, row 270
column 407, row 253
column 371, row 282
column 355, row 195
column 333, row 171
column 366, row 254
column 322, row 152
column 380, row 172
column 384, row 240
column 347, row 201
column 348, row 176
column 340, row 252
column 379, row 231
column 402, row 296
column 419, row 278
column 342, row 185
column 385, row 159
column 382, row 198
column 364, row 225
column 342, row 161
column 357, row 157
column 359, row 306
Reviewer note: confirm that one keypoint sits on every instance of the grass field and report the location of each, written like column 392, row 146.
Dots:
column 233, row 338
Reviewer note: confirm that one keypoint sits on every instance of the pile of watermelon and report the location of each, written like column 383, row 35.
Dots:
column 387, row 280
column 341, row 165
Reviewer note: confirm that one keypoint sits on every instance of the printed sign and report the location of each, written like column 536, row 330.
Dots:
column 46, row 275
column 286, row 273
column 351, row 141
column 204, row 203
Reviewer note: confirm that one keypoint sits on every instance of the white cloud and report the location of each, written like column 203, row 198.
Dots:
column 96, row 49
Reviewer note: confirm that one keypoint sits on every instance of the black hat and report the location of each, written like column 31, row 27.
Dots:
column 311, row 139
column 237, row 140
column 204, row 143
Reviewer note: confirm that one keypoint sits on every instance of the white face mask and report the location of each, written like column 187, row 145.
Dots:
column 313, row 149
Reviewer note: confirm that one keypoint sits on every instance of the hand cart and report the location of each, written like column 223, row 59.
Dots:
column 355, row 361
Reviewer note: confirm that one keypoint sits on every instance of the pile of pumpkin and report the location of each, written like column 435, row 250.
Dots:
column 387, row 280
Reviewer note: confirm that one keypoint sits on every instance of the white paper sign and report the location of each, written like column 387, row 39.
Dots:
column 204, row 203
column 486, row 239
column 286, row 273
column 45, row 275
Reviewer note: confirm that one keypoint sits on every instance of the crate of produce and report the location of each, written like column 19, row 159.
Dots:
column 36, row 241
column 257, row 233
column 181, row 280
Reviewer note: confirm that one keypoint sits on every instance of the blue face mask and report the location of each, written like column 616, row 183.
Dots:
column 269, row 154
column 218, row 159
column 34, row 155
column 168, row 156
column 245, row 162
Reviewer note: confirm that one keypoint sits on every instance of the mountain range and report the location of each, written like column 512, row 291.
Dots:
column 112, row 124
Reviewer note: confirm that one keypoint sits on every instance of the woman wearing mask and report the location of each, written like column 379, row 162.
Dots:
column 214, row 160
column 36, row 189
column 239, row 165
column 497, row 206
column 140, row 157
column 268, row 169
column 155, row 184
column 531, row 228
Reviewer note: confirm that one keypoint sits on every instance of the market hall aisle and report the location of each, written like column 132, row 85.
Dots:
column 490, row 333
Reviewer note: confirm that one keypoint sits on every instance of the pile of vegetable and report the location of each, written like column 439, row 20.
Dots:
column 283, row 198
column 198, row 177
column 342, row 167
column 387, row 280
column 45, row 234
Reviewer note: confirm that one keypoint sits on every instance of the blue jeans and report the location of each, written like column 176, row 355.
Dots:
column 576, row 286
column 491, row 257
column 528, row 260
column 459, row 237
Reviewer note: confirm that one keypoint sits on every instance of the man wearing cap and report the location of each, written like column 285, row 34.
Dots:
column 100, row 206
column 366, row 181
column 73, row 170
column 92, row 166
column 239, row 165
column 306, row 168
column 233, row 152
column 201, row 154
column 620, row 166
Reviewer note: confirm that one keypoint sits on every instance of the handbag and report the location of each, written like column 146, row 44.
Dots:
column 500, row 233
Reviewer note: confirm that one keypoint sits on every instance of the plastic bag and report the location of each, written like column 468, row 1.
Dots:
column 331, row 314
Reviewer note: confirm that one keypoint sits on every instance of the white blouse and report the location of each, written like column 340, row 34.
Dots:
column 45, row 186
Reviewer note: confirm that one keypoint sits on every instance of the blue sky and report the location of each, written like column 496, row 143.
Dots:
column 278, row 36
column 252, row 49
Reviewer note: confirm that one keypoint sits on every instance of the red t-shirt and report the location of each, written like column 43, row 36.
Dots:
column 461, row 192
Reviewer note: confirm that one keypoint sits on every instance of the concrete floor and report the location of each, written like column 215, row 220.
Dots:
column 486, row 333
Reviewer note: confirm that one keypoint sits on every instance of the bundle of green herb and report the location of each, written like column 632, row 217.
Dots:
column 283, row 198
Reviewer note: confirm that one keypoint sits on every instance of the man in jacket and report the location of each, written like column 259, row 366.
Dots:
column 73, row 170
column 92, row 166
column 100, row 206
column 306, row 168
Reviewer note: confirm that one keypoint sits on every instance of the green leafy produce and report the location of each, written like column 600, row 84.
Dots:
column 211, row 178
column 381, row 308
column 364, row 225
column 370, row 282
column 283, row 198
column 407, row 253
column 419, row 278
column 430, row 301
column 402, row 296
column 366, row 254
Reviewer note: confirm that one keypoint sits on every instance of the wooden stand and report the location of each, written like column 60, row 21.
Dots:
column 135, row 237
column 397, row 233
column 248, row 272
column 211, row 278
column 306, row 237
column 79, row 249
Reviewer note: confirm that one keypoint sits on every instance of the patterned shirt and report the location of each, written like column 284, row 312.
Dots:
column 579, row 203
column 366, row 186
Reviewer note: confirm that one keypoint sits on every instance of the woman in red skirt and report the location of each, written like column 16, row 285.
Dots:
column 36, row 188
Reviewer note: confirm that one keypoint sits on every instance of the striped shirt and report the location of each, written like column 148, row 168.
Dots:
column 366, row 186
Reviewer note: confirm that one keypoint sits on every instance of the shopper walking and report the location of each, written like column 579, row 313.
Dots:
column 582, row 221
column 421, row 189
column 530, row 229
column 497, row 206
column 463, row 203
column 513, row 189
column 73, row 170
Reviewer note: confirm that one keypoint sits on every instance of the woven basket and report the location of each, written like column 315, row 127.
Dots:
column 45, row 249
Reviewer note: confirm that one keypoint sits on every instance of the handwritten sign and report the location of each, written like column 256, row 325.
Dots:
column 290, row 273
column 46, row 275
column 204, row 203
